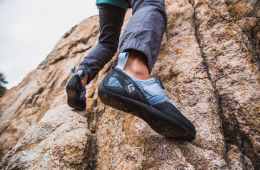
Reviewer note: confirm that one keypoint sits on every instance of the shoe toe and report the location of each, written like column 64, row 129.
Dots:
column 180, row 125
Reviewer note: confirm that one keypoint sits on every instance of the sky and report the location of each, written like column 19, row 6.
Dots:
column 30, row 28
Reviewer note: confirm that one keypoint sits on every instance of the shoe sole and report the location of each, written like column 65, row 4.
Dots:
column 170, row 127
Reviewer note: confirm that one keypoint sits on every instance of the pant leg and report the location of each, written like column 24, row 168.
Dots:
column 145, row 29
column 110, row 19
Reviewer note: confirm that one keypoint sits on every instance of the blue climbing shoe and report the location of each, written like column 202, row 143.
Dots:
column 145, row 99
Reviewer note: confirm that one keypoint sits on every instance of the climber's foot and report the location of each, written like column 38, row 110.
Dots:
column 147, row 100
column 76, row 93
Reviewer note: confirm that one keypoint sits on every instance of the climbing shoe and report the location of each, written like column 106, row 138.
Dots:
column 76, row 92
column 145, row 99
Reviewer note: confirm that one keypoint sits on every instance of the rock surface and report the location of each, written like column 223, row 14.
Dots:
column 209, row 63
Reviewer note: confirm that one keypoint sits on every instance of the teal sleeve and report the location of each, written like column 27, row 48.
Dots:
column 118, row 3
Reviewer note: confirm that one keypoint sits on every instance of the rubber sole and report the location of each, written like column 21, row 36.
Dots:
column 170, row 127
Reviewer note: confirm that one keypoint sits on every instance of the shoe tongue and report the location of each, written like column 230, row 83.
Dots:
column 122, row 59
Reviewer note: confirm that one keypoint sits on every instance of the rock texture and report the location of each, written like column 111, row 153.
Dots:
column 209, row 63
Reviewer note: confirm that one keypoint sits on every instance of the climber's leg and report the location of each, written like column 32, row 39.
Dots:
column 142, row 37
column 145, row 29
column 111, row 19
column 128, row 86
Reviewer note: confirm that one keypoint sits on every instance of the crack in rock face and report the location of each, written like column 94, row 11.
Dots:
column 209, row 64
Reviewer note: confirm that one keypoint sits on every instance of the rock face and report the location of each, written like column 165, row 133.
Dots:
column 209, row 63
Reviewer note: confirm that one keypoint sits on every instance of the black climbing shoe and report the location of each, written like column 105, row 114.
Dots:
column 76, row 93
column 147, row 100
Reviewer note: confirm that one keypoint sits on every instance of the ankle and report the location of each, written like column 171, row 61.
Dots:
column 137, row 74
column 136, row 66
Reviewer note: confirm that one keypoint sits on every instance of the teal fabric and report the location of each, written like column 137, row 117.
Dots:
column 119, row 3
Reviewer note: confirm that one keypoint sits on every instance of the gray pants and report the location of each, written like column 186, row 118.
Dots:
column 143, row 34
